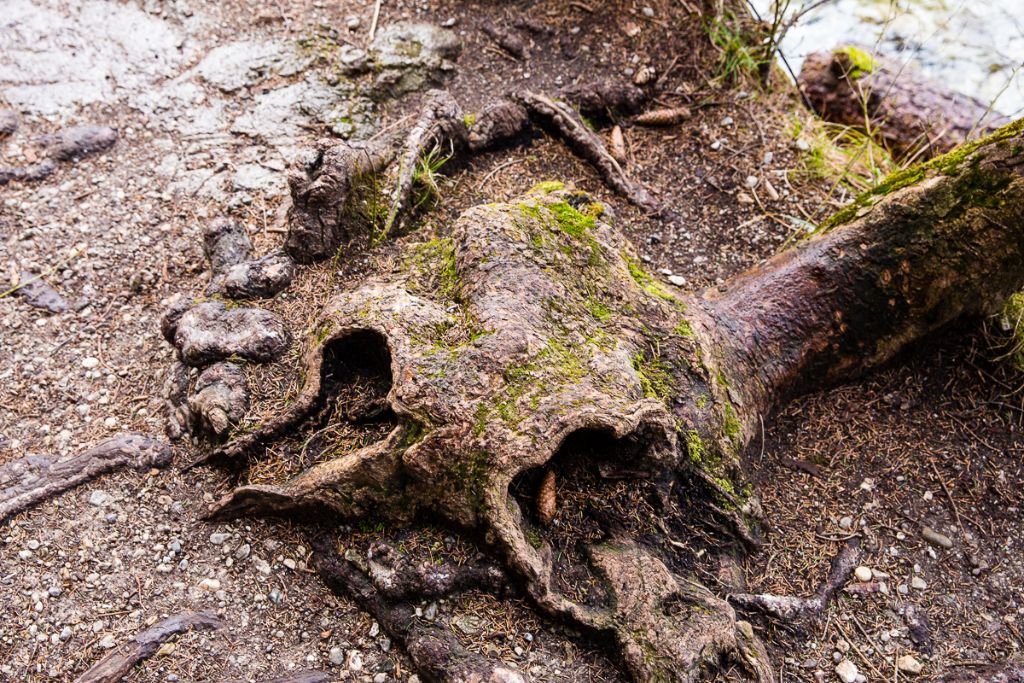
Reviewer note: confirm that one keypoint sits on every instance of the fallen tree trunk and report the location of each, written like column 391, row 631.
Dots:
column 524, row 356
column 122, row 660
column 32, row 479
column 915, row 116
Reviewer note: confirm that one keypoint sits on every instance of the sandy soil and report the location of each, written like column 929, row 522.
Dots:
column 933, row 441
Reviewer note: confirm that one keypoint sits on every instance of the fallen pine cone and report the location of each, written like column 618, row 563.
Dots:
column 617, row 145
column 546, row 502
column 663, row 117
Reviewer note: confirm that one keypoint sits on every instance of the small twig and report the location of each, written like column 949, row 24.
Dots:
column 373, row 22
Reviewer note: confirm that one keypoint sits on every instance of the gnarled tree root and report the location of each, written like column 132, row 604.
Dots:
column 434, row 650
column 794, row 609
column 144, row 645
column 32, row 479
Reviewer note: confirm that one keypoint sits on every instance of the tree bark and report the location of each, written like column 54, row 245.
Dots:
column 526, row 346
column 913, row 115
column 938, row 242
column 120, row 661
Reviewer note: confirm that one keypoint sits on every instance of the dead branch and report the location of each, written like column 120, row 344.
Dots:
column 120, row 662
column 32, row 479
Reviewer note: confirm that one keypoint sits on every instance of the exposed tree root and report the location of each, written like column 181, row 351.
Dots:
column 144, row 645
column 434, row 650
column 790, row 608
column 69, row 145
column 301, row 677
column 439, row 126
column 32, row 479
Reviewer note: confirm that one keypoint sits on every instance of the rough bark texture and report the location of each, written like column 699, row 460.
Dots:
column 33, row 479
column 120, row 661
column 900, row 263
column 910, row 112
column 530, row 326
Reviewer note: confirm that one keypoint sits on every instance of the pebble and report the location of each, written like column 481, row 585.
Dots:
column 374, row 630
column 100, row 498
column 846, row 523
column 289, row 562
column 936, row 538
column 219, row 537
column 647, row 11
column 863, row 574
column 354, row 661
column 107, row 642
column 380, row 678
column 917, row 583
column 847, row 671
column 275, row 596
column 908, row 665
column 430, row 613
column 677, row 280
column 210, row 585
column 90, row 363
column 751, row 181
column 337, row 656
column 352, row 23
column 243, row 551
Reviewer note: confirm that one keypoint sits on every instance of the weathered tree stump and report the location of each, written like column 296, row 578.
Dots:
column 526, row 342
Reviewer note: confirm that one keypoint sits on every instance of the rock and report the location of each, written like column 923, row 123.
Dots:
column 76, row 142
column 8, row 122
column 217, row 538
column 410, row 56
column 430, row 613
column 90, row 362
column 107, row 642
column 246, row 63
column 863, row 574
column 100, row 498
column 917, row 583
column 209, row 585
column 354, row 661
column 221, row 400
column 847, row 671
column 846, row 523
column 677, row 280
column 936, row 538
column 243, row 551
column 275, row 596
column 337, row 656
column 908, row 664
column 918, row 628
column 211, row 331
column 260, row 278
column 467, row 623
column 37, row 293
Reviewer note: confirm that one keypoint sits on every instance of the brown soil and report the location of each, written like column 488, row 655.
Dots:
column 946, row 422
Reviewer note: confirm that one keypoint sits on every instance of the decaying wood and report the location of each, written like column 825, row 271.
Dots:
column 530, row 325
column 547, row 501
column 914, row 115
column 120, row 661
column 32, row 479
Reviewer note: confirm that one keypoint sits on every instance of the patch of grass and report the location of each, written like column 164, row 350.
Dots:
column 740, row 53
column 426, row 191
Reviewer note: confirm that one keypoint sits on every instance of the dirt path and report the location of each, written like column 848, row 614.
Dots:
column 211, row 103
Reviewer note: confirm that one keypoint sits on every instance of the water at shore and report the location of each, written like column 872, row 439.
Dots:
column 974, row 47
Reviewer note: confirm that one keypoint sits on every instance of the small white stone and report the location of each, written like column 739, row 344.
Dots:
column 677, row 280
column 100, row 498
column 210, row 585
column 289, row 562
column 751, row 181
column 862, row 573
column 847, row 671
column 337, row 656
column 908, row 665
column 107, row 642
column 90, row 363
column 917, row 583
